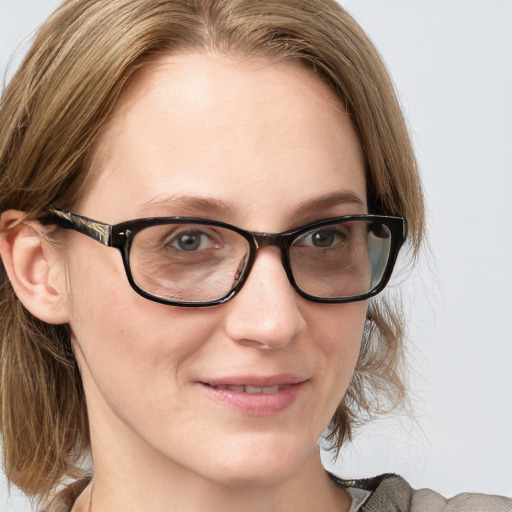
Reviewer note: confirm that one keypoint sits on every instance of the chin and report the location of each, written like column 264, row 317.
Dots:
column 264, row 463
column 255, row 476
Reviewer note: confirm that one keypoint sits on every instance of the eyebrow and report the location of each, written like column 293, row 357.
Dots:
column 189, row 205
column 327, row 201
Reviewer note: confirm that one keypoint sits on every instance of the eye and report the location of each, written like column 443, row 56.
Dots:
column 191, row 240
column 323, row 238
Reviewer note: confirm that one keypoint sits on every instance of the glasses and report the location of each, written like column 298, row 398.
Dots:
column 201, row 262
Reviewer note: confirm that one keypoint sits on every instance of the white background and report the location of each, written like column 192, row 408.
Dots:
column 452, row 64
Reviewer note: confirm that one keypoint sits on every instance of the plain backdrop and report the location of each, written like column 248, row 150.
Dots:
column 451, row 61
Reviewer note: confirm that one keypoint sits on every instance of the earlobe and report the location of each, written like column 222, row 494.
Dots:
column 34, row 268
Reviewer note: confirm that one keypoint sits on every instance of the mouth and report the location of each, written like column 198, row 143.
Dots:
column 256, row 396
column 252, row 390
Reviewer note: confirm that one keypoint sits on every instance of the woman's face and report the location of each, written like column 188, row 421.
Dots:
column 264, row 146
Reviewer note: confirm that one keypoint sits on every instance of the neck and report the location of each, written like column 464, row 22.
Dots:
column 126, row 482
column 132, row 489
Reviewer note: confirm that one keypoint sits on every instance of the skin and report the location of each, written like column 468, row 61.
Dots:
column 266, row 139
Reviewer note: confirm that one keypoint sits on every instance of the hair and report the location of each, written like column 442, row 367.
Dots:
column 52, row 112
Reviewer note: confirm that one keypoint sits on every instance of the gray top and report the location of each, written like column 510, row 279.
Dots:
column 359, row 498
column 391, row 493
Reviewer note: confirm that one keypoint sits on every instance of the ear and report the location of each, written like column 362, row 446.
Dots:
column 34, row 266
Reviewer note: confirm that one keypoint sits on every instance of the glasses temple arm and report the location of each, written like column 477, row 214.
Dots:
column 96, row 230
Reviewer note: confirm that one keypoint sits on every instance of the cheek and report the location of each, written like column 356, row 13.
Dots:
column 338, row 336
column 340, row 329
column 130, row 346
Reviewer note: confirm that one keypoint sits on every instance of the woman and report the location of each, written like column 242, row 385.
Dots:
column 250, row 162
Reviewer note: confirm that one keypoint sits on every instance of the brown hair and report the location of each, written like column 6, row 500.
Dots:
column 52, row 112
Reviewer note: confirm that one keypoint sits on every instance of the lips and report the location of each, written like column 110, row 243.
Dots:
column 253, row 390
column 255, row 396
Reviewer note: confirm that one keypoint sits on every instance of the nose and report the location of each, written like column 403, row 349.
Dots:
column 265, row 314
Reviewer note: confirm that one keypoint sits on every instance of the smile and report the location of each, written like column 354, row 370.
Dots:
column 253, row 390
column 262, row 397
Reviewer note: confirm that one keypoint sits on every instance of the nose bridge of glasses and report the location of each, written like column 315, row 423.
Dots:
column 270, row 240
column 279, row 240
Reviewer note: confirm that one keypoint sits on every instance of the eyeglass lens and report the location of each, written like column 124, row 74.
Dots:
column 187, row 262
column 341, row 260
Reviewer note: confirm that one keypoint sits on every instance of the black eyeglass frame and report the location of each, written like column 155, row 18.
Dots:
column 120, row 236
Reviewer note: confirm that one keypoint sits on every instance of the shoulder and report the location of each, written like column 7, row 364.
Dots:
column 391, row 493
column 426, row 500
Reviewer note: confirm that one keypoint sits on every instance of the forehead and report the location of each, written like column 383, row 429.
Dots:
column 241, row 131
